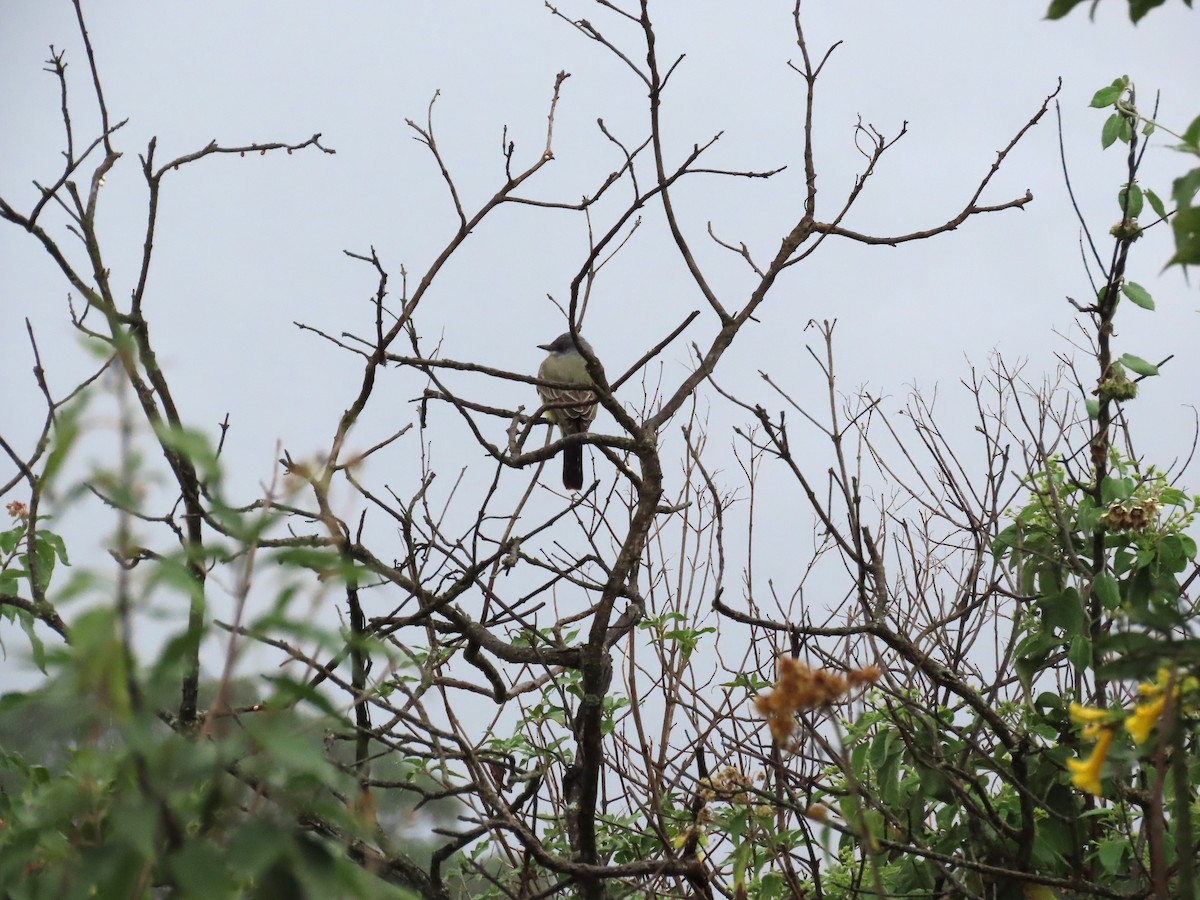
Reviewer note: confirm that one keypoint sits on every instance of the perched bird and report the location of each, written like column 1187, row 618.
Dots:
column 572, row 409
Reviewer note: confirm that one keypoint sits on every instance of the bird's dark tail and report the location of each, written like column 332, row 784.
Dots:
column 573, row 468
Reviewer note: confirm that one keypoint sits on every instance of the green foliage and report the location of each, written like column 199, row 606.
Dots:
column 1120, row 126
column 1138, row 295
column 1099, row 555
column 673, row 626
column 1142, row 521
column 103, row 794
column 120, row 804
column 1137, row 8
column 934, row 787
column 28, row 560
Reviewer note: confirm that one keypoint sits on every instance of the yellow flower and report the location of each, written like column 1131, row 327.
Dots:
column 1086, row 773
column 1144, row 717
column 1091, row 718
column 1156, row 687
column 1085, row 715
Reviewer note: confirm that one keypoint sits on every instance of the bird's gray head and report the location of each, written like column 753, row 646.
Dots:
column 564, row 343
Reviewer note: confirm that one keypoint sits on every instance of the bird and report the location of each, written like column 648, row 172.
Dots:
column 572, row 409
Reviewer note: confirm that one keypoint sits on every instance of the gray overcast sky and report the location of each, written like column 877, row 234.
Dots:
column 247, row 246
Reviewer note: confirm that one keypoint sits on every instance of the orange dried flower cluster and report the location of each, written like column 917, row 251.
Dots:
column 801, row 687
column 728, row 785
column 818, row 812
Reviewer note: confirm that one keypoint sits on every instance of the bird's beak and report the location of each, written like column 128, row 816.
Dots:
column 545, row 347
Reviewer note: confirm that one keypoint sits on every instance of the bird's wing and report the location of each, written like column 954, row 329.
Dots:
column 570, row 404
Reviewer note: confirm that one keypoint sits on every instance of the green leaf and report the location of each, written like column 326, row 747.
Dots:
column 1059, row 8
column 752, row 681
column 1138, row 294
column 292, row 755
column 202, row 863
column 1080, row 652
column 1107, row 96
column 192, row 445
column 257, row 847
column 1156, row 204
column 1110, row 854
column 1048, row 700
column 1054, row 841
column 1188, row 546
column 1191, row 136
column 41, row 562
column 9, row 539
column 884, row 745
column 1062, row 610
column 1172, row 497
column 1184, row 188
column 1138, row 365
column 1129, row 198
column 1031, row 654
column 1132, row 655
column 318, row 559
column 66, row 432
column 36, row 648
column 1111, row 130
column 1186, row 224
column 1113, row 488
column 858, row 759
column 56, row 543
column 741, row 857
column 1139, row 8
column 1106, row 590
column 1171, row 553
column 289, row 692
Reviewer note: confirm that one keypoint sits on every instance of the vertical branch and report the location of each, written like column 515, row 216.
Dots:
column 124, row 549
column 87, row 43
column 656, row 88
column 1185, row 844
column 810, row 80
column 1102, row 440
column 359, row 667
